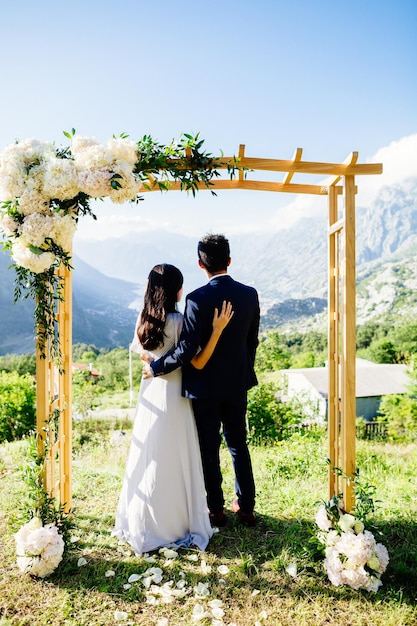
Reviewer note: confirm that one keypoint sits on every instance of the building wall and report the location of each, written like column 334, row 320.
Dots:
column 298, row 387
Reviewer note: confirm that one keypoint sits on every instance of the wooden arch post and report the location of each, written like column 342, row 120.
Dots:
column 54, row 390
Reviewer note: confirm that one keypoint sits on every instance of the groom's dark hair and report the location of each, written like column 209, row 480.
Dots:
column 214, row 252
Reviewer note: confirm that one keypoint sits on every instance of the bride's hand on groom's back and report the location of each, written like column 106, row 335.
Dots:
column 221, row 320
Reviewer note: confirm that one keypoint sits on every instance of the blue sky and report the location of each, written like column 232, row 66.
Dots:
column 327, row 76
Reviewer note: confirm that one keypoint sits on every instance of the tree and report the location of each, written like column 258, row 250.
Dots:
column 20, row 363
column 17, row 405
column 272, row 354
column 383, row 351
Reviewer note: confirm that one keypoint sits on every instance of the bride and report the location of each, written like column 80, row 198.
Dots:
column 162, row 501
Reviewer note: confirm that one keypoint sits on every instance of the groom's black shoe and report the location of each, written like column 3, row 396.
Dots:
column 218, row 519
column 248, row 519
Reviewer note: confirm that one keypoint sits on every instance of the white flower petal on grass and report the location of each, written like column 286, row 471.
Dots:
column 133, row 578
column 217, row 622
column 206, row 569
column 74, row 539
column 126, row 586
column 292, row 570
column 221, row 581
column 149, row 559
column 263, row 615
column 217, row 612
column 201, row 590
column 255, row 592
column 162, row 622
column 119, row 616
column 223, row 570
column 192, row 557
column 170, row 554
column 81, row 561
column 109, row 573
column 152, row 600
column 215, row 603
column 199, row 613
column 181, row 584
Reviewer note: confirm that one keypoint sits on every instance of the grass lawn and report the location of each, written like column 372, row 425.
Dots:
column 254, row 588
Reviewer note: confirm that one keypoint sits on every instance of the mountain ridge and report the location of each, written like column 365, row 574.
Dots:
column 288, row 268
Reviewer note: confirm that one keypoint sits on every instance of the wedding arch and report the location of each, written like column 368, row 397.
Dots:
column 48, row 188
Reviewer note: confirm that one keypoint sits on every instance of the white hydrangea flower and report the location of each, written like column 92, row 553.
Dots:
column 60, row 179
column 383, row 557
column 130, row 186
column 79, row 143
column 36, row 228
column 95, row 183
column 39, row 548
column 8, row 225
column 123, row 150
column 36, row 263
column 63, row 231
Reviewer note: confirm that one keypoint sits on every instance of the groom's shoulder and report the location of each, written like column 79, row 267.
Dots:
column 245, row 287
column 197, row 293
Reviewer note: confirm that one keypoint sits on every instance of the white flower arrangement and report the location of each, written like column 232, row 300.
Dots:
column 352, row 556
column 39, row 548
column 38, row 178
column 44, row 189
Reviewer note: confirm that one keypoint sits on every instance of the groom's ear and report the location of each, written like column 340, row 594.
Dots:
column 229, row 261
column 201, row 264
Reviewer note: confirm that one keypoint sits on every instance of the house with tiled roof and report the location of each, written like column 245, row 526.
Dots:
column 92, row 374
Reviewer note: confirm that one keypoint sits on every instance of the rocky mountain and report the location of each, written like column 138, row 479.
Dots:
column 102, row 314
column 288, row 267
column 288, row 264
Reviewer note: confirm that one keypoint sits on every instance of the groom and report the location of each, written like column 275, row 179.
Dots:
column 219, row 390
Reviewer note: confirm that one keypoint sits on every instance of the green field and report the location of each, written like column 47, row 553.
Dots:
column 256, row 588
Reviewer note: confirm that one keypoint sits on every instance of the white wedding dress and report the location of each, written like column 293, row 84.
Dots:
column 163, row 499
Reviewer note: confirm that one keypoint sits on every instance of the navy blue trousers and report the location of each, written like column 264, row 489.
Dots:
column 213, row 417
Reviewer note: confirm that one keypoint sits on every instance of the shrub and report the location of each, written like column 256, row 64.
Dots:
column 399, row 414
column 268, row 416
column 17, row 405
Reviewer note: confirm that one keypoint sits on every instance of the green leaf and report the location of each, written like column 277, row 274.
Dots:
column 35, row 249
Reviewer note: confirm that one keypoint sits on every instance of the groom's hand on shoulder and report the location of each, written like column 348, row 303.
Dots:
column 146, row 371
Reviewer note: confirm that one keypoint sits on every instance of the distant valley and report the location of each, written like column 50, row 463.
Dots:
column 288, row 267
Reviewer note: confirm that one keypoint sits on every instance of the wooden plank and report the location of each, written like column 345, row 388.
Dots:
column 241, row 155
column 333, row 325
column 337, row 226
column 303, row 167
column 66, row 393
column 296, row 159
column 351, row 159
column 255, row 185
column 349, row 348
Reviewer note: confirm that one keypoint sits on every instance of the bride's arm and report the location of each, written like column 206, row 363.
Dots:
column 220, row 321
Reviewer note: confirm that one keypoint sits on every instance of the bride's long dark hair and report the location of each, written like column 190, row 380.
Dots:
column 164, row 283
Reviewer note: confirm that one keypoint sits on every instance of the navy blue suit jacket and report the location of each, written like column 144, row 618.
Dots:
column 230, row 371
